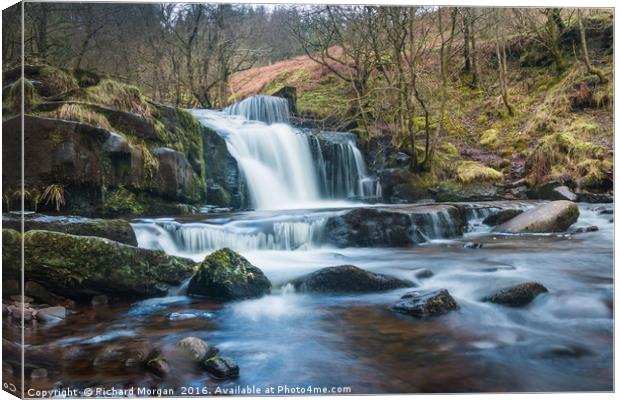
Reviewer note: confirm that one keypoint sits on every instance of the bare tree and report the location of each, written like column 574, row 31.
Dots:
column 584, row 48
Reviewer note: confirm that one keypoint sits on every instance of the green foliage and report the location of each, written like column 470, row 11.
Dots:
column 121, row 201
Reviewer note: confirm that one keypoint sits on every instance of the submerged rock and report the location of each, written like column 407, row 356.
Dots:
column 584, row 229
column 422, row 304
column 556, row 216
column 347, row 279
column 472, row 245
column 87, row 266
column 518, row 295
column 501, row 216
column 222, row 367
column 423, row 273
column 118, row 230
column 226, row 275
column 197, row 349
column 51, row 314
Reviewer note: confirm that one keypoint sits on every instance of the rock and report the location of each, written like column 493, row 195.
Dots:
column 114, row 229
column 564, row 193
column 423, row 273
column 584, row 229
column 587, row 197
column 423, row 304
column 501, row 216
column 517, row 295
column 88, row 266
column 99, row 300
column 138, row 353
column 221, row 367
column 568, row 351
column 38, row 373
column 226, row 275
column 197, row 349
column 42, row 295
column 369, row 227
column 556, row 216
column 10, row 286
column 471, row 245
column 159, row 366
column 51, row 314
column 347, row 279
column 177, row 178
column 22, row 299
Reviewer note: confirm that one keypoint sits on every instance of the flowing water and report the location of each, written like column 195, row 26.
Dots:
column 277, row 161
column 562, row 341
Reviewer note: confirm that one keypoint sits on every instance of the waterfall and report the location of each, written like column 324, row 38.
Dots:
column 268, row 109
column 278, row 162
column 281, row 233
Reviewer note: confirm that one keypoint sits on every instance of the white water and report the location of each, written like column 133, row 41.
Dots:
column 276, row 158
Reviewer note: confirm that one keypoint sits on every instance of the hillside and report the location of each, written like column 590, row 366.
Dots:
column 561, row 130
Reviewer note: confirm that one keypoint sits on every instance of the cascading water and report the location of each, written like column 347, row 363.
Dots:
column 268, row 109
column 277, row 159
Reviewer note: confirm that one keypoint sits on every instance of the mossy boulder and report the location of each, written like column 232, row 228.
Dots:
column 556, row 216
column 81, row 267
column 347, row 279
column 114, row 229
column 369, row 227
column 468, row 172
column 226, row 275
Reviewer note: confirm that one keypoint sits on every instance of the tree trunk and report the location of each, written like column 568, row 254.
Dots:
column 584, row 48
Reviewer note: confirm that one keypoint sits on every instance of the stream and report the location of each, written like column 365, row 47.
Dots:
column 562, row 341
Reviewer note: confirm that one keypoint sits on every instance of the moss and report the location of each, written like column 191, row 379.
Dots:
column 329, row 99
column 490, row 138
column 116, row 95
column 593, row 173
column 219, row 196
column 121, row 201
column 57, row 80
column 449, row 148
column 78, row 265
column 79, row 113
column 473, row 172
column 11, row 251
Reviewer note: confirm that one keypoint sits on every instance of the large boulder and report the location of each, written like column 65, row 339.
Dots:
column 423, row 304
column 517, row 295
column 118, row 230
column 556, row 216
column 226, row 275
column 369, row 227
column 347, row 279
column 84, row 266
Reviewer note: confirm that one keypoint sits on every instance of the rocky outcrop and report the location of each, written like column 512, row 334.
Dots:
column 225, row 183
column 422, row 304
column 516, row 296
column 556, row 216
column 226, row 275
column 347, row 279
column 118, row 230
column 176, row 178
column 87, row 266
column 394, row 226
column 369, row 227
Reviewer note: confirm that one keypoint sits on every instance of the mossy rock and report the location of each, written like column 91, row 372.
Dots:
column 226, row 275
column 556, row 216
column 114, row 229
column 80, row 267
column 473, row 172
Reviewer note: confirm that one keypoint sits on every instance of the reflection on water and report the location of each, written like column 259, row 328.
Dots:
column 561, row 341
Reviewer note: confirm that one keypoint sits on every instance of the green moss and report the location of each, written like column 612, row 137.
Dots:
column 58, row 80
column 490, row 138
column 328, row 99
column 121, row 201
column 473, row 172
